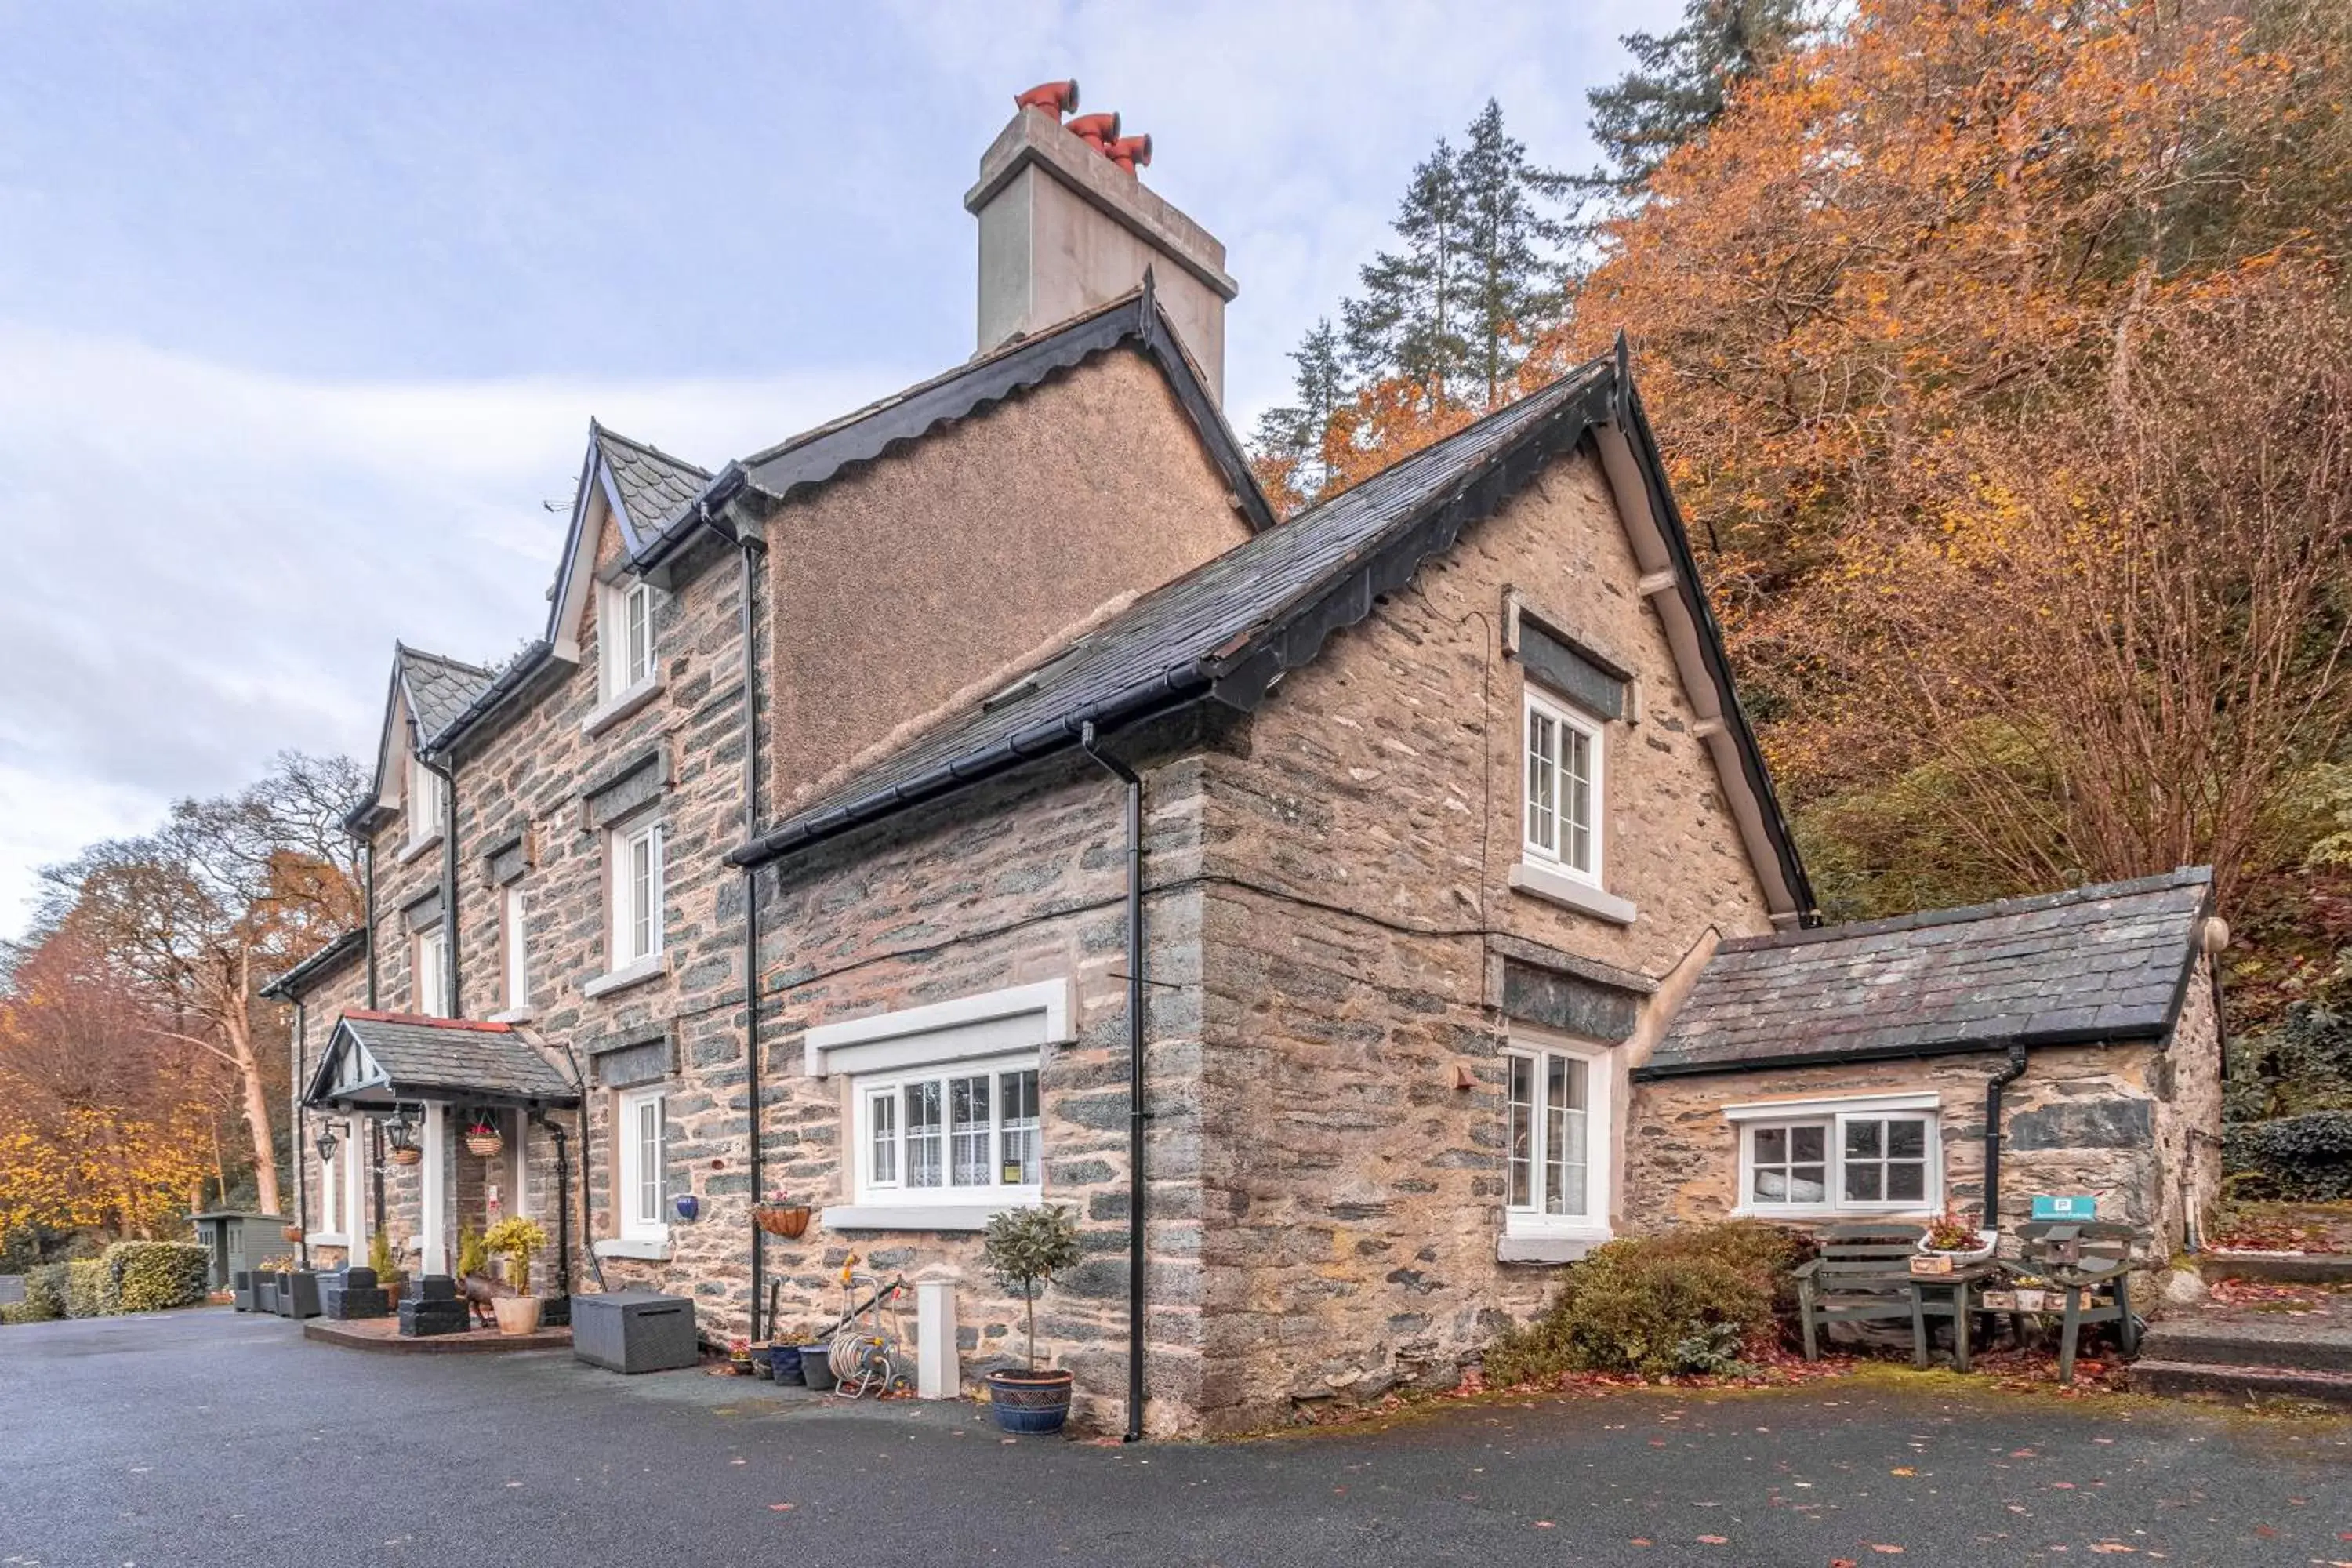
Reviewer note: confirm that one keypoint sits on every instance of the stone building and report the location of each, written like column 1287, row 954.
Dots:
column 1354, row 920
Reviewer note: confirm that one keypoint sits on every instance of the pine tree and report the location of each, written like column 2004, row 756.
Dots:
column 1509, row 294
column 1409, row 320
column 1681, row 83
column 1290, row 439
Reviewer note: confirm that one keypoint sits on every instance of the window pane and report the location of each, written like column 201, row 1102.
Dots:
column 649, row 1161
column 1577, row 763
column 1523, row 1131
column 637, row 615
column 641, row 894
column 1809, row 1184
column 1565, row 1129
column 1906, row 1140
column 1864, row 1182
column 1769, row 1184
column 924, row 1134
column 1542, row 779
column 1771, row 1146
column 1807, row 1143
column 1863, row 1139
column 1906, row 1182
column 970, row 1127
column 1017, row 1094
column 882, row 1137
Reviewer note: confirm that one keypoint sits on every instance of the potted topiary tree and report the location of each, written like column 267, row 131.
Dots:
column 1024, row 1250
column 515, row 1240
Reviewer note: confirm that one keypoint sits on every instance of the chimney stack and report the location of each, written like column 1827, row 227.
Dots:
column 1064, row 225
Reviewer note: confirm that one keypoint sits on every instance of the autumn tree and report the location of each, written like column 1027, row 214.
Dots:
column 1681, row 83
column 194, row 918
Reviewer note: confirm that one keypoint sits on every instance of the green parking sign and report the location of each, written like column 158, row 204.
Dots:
column 2065, row 1208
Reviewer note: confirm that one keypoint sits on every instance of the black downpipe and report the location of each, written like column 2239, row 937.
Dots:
column 752, row 919
column 294, row 1136
column 368, row 896
column 587, row 1196
column 375, row 1140
column 563, row 1194
column 1993, row 1086
column 1135, row 1113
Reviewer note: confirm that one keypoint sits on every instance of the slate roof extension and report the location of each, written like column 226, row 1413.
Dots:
column 439, row 1058
column 2090, row 965
column 655, row 489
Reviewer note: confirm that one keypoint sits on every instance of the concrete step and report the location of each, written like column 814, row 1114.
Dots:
column 2279, row 1267
column 2175, row 1378
column 2242, row 1341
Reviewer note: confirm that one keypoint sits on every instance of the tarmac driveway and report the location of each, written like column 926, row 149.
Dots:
column 204, row 1438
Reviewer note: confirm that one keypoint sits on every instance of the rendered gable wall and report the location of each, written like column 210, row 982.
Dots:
column 899, row 585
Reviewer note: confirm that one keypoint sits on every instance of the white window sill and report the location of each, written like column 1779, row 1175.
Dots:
column 1909, row 1214
column 917, row 1216
column 649, row 1248
column 513, row 1015
column 417, row 848
column 612, row 712
column 327, row 1239
column 1559, row 887
column 1547, row 1246
column 636, row 974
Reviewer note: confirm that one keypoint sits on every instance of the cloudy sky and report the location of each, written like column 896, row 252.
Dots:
column 304, row 309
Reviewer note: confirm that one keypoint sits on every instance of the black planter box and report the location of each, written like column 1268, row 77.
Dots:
column 422, row 1319
column 634, row 1331
column 353, row 1293
column 264, row 1294
column 298, row 1295
column 555, row 1313
column 241, row 1287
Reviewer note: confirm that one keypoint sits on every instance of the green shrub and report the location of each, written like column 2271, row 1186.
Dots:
column 2303, row 1158
column 45, row 1293
column 1691, row 1302
column 89, row 1289
column 154, row 1275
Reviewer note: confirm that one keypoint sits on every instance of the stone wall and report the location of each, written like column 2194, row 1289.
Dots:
column 1358, row 897
column 2083, row 1120
column 1010, row 885
column 2189, row 1118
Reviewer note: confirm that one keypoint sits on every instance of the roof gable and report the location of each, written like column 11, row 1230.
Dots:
column 427, row 692
column 643, row 492
column 1230, row 628
column 376, row 1061
column 2085, row 966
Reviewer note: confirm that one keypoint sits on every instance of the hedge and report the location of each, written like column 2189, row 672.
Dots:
column 130, row 1276
column 2301, row 1159
column 1696, row 1301
column 89, row 1289
column 153, row 1276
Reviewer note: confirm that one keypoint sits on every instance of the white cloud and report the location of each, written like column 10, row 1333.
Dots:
column 208, row 563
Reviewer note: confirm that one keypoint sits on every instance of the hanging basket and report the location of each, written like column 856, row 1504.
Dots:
column 290, row 1232
column 486, row 1145
column 410, row 1155
column 790, row 1221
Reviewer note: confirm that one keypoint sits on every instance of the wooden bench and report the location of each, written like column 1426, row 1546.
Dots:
column 2089, row 1262
column 1863, row 1275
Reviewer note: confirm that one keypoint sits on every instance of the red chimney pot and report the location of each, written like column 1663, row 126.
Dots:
column 1128, row 151
column 1054, row 97
column 1102, row 129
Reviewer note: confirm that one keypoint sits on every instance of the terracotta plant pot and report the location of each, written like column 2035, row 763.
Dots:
column 485, row 1145
column 517, row 1314
column 790, row 1221
column 291, row 1232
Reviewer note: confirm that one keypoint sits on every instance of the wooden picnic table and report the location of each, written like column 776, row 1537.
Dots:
column 1965, row 1281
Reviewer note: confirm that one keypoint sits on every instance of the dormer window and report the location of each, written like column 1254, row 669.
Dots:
column 426, row 805
column 625, row 637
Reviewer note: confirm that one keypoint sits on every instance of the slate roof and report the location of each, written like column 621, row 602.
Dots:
column 438, row 687
column 443, row 1058
column 289, row 986
column 656, row 488
column 2086, row 967
column 1231, row 625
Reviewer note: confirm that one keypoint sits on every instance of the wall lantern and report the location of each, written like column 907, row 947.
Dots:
column 328, row 1139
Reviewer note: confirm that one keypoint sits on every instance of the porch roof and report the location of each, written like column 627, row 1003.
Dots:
column 374, row 1061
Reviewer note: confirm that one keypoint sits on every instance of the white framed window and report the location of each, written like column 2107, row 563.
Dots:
column 428, row 981
column 427, row 804
column 624, row 636
column 635, row 897
column 644, row 1165
column 965, row 1133
column 514, row 944
column 1558, row 1175
column 1560, row 824
column 1870, row 1155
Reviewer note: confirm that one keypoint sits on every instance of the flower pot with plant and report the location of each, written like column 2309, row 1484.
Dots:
column 514, row 1240
column 1953, row 1236
column 1024, row 1250
column 483, row 1138
column 779, row 1216
column 386, row 1267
